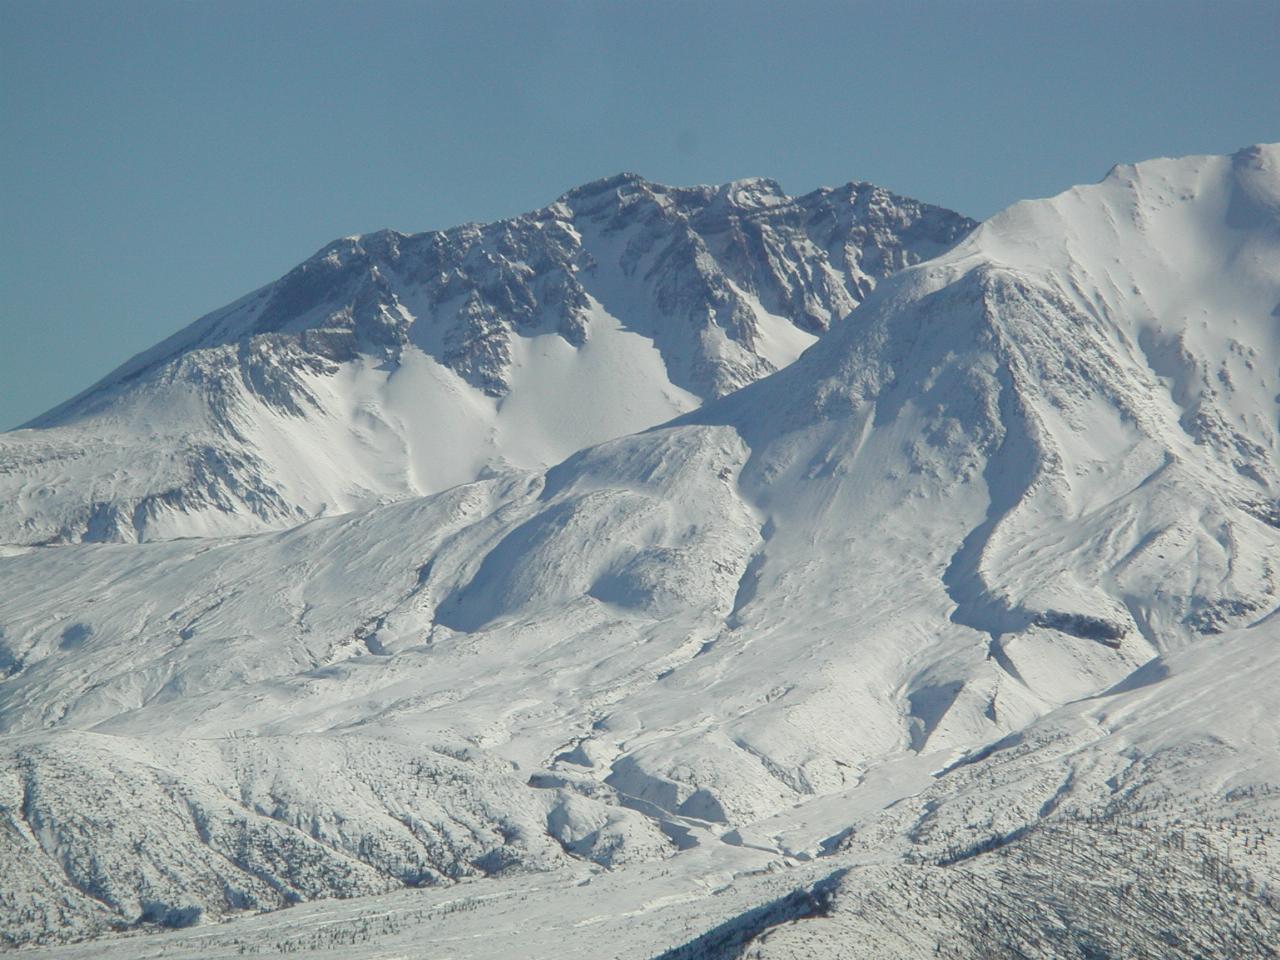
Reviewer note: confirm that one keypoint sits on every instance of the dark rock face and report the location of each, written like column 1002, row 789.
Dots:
column 684, row 260
column 1082, row 625
column 675, row 263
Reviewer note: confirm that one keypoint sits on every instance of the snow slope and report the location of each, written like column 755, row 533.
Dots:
column 1136, row 823
column 1036, row 470
column 1124, row 824
column 393, row 365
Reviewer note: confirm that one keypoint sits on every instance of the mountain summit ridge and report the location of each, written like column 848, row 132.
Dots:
column 391, row 358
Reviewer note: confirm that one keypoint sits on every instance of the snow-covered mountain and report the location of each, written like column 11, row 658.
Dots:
column 990, row 568
column 393, row 365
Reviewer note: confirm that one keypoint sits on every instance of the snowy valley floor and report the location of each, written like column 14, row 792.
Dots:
column 1081, row 837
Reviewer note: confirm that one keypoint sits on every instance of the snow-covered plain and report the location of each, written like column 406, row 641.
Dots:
column 957, row 636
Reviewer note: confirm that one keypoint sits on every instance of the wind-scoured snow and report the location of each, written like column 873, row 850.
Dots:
column 938, row 625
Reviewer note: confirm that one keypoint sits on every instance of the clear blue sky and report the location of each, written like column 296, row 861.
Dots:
column 159, row 159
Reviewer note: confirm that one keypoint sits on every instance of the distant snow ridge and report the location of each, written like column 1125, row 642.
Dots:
column 391, row 365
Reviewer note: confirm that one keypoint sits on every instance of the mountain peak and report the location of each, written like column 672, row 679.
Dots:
column 418, row 361
column 604, row 184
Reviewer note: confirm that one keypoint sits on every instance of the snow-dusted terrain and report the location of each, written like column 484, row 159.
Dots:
column 393, row 365
column 957, row 636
